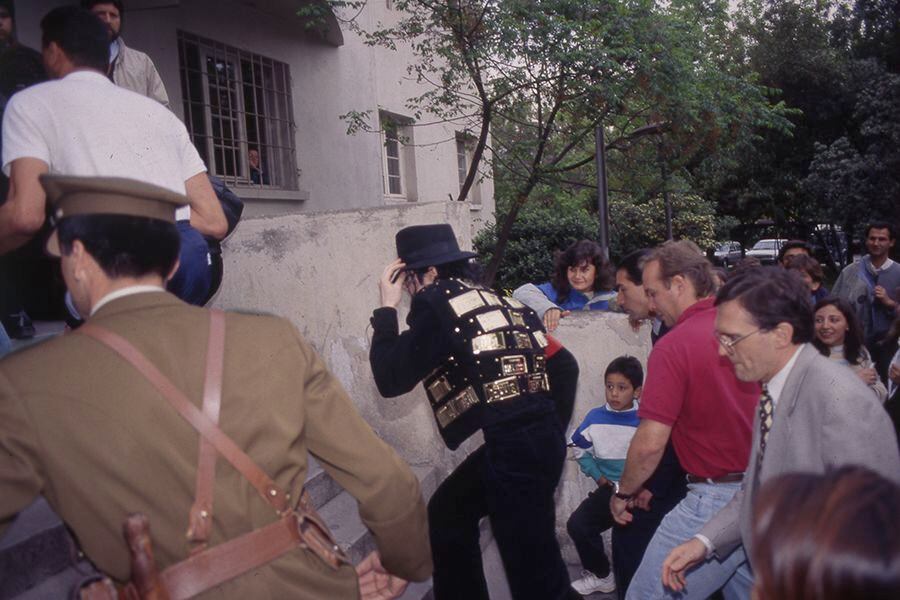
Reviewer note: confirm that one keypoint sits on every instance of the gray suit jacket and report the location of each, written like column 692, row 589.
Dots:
column 826, row 417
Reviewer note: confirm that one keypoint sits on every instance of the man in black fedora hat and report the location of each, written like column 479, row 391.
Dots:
column 483, row 362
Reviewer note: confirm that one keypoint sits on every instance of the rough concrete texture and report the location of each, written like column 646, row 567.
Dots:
column 595, row 339
column 321, row 271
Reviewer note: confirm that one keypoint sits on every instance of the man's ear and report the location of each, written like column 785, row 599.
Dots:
column 77, row 256
column 638, row 391
column 83, row 266
column 51, row 53
column 784, row 334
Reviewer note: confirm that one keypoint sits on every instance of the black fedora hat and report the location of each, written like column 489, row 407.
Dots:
column 429, row 245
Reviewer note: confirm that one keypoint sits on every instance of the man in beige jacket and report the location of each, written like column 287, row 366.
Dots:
column 128, row 68
column 81, row 426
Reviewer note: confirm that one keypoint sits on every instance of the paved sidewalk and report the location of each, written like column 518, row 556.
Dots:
column 496, row 576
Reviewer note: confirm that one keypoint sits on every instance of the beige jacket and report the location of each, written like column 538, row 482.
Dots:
column 135, row 71
column 82, row 427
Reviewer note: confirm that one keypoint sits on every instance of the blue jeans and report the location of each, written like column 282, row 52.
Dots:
column 731, row 574
column 192, row 280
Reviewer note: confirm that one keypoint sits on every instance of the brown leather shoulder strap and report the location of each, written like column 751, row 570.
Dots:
column 208, row 567
column 231, row 559
column 200, row 518
column 263, row 484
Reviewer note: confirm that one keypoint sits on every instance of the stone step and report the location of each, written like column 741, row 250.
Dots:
column 341, row 514
column 321, row 487
column 418, row 591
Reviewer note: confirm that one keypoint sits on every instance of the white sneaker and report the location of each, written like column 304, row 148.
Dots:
column 590, row 583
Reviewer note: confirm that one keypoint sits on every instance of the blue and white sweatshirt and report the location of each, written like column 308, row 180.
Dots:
column 602, row 440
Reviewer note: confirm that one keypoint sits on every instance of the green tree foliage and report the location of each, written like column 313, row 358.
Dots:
column 537, row 235
column 856, row 178
column 541, row 75
column 553, row 220
column 833, row 64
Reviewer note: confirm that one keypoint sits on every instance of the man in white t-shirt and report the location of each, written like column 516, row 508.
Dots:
column 82, row 124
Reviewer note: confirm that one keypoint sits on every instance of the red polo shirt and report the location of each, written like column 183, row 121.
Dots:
column 692, row 389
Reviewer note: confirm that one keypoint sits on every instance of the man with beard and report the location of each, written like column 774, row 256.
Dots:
column 128, row 68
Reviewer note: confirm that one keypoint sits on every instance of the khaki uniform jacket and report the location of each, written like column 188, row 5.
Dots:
column 825, row 417
column 82, row 427
column 135, row 71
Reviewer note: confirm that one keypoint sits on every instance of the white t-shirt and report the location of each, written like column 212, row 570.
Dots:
column 85, row 125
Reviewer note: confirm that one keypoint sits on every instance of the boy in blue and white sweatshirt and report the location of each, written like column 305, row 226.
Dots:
column 601, row 444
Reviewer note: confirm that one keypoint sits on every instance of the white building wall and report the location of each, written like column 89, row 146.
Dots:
column 321, row 271
column 337, row 171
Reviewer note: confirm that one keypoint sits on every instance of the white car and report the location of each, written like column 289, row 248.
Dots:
column 766, row 251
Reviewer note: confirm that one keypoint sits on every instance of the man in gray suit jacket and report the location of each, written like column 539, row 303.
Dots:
column 814, row 414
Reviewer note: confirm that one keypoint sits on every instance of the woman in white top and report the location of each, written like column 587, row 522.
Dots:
column 839, row 336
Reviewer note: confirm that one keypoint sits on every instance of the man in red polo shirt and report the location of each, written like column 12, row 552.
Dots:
column 691, row 395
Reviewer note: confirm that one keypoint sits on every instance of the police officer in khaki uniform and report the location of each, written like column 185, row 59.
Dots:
column 84, row 428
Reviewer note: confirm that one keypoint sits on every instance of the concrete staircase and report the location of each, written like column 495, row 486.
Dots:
column 340, row 512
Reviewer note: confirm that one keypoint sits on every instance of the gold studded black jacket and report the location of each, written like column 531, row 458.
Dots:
column 479, row 356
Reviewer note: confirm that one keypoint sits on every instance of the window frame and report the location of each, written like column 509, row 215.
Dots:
column 394, row 127
column 270, row 111
column 392, row 134
column 466, row 141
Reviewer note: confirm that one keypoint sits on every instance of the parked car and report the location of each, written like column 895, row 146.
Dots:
column 766, row 251
column 727, row 254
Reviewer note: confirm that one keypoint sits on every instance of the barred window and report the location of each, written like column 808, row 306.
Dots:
column 239, row 112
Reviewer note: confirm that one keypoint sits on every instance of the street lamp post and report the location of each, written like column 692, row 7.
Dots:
column 602, row 190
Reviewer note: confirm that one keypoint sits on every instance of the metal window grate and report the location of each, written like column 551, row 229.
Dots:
column 234, row 102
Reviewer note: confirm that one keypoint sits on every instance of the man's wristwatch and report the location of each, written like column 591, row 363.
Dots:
column 619, row 494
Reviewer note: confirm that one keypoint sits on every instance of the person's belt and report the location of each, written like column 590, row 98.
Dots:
column 729, row 478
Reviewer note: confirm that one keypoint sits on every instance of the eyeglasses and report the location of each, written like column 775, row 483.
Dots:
column 728, row 343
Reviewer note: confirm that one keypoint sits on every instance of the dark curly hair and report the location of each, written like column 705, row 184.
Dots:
column 584, row 251
column 853, row 341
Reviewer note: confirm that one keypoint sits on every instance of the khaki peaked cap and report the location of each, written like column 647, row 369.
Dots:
column 70, row 195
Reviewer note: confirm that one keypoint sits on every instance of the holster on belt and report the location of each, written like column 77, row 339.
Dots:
column 206, row 567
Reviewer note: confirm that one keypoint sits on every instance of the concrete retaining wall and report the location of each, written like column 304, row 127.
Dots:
column 321, row 271
column 595, row 339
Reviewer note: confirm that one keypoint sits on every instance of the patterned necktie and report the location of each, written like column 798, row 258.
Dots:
column 766, row 407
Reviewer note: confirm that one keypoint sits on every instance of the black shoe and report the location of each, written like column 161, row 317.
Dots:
column 19, row 326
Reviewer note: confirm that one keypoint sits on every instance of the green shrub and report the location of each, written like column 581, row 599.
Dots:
column 537, row 234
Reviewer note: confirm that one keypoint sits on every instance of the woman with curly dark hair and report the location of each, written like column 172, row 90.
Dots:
column 583, row 280
column 839, row 336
